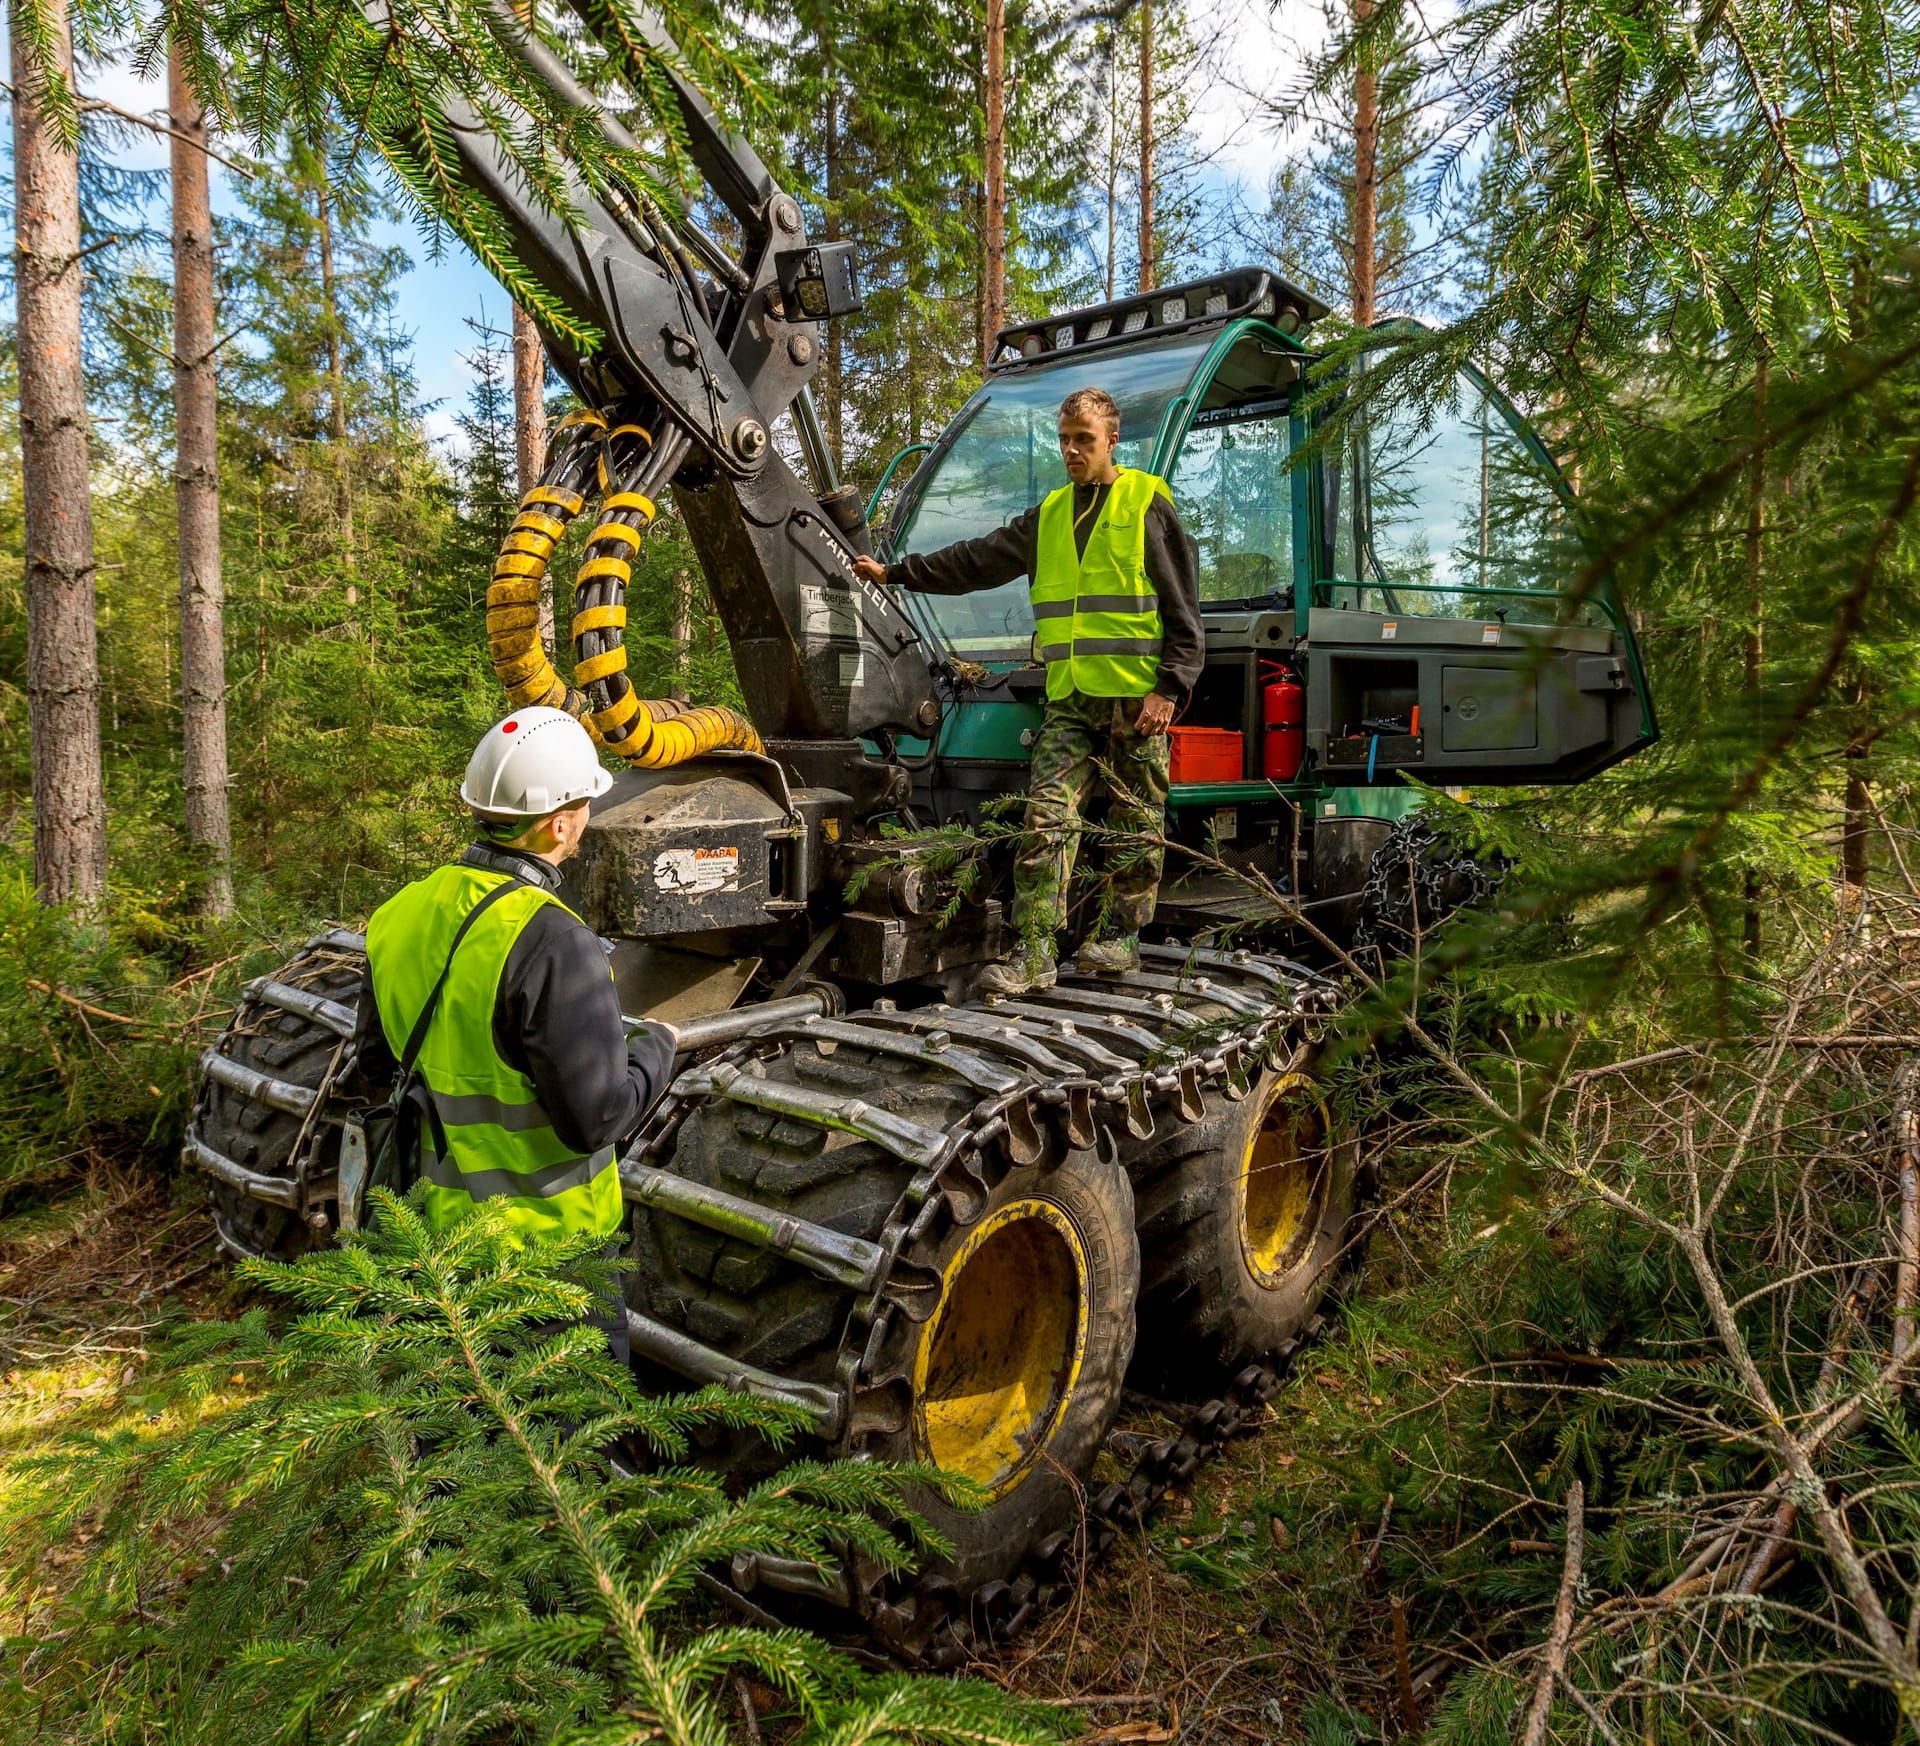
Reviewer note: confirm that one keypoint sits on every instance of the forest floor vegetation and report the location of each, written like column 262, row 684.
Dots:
column 1617, row 1413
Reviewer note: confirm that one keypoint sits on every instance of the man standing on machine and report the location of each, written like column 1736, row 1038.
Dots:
column 1117, row 622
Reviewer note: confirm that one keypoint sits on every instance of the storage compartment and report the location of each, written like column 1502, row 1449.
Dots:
column 1221, row 695
column 1372, row 697
column 1489, row 709
column 1203, row 754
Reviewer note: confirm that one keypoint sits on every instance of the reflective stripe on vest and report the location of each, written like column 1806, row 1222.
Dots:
column 1096, row 618
column 500, row 1140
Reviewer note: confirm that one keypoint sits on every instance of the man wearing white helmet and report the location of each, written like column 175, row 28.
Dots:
column 528, row 1075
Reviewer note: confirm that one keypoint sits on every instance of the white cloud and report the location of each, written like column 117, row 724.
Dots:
column 1258, row 54
column 120, row 86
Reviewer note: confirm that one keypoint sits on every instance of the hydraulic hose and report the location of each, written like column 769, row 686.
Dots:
column 650, row 732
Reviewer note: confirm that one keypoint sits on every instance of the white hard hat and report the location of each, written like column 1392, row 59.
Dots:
column 533, row 763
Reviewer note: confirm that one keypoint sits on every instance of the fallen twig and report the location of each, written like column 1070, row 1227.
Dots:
column 85, row 1006
column 747, row 1711
column 1403, row 1665
column 1906, row 1140
column 1557, row 1637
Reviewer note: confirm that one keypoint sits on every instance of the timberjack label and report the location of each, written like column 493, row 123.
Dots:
column 696, row 872
column 827, row 612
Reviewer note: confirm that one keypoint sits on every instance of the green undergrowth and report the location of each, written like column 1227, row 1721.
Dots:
column 1383, row 1559
column 102, row 1017
column 390, row 1516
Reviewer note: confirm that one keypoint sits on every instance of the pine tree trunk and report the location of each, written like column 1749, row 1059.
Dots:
column 196, row 479
column 529, row 402
column 336, row 371
column 63, row 670
column 836, row 358
column 530, row 433
column 1366, row 175
column 993, row 314
column 1113, row 158
column 1146, row 145
column 1856, row 806
column 682, row 633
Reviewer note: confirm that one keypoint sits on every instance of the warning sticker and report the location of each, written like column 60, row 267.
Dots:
column 697, row 871
column 1490, row 633
column 1390, row 630
column 850, row 669
column 827, row 612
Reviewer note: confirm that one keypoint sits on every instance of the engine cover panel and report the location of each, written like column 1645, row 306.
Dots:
column 681, row 851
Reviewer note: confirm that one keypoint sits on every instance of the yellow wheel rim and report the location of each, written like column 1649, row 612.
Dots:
column 1283, row 1179
column 1001, row 1356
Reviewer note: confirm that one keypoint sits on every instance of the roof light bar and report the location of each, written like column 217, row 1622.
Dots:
column 1222, row 297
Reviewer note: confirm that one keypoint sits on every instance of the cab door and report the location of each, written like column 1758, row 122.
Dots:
column 1451, row 632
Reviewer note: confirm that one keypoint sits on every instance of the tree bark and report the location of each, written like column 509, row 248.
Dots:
column 1857, row 802
column 1113, row 155
column 1146, row 145
column 1366, row 174
column 336, row 368
column 993, row 313
column 529, row 402
column 530, row 433
column 196, row 485
column 63, row 669
column 835, row 373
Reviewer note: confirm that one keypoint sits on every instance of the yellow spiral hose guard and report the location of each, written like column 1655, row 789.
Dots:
column 651, row 732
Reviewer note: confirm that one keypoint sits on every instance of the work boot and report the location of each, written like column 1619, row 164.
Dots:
column 1113, row 957
column 1030, row 967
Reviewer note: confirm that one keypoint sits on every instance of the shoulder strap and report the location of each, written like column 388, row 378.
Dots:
column 417, row 1037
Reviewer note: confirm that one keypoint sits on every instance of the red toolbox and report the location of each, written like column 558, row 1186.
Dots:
column 1208, row 754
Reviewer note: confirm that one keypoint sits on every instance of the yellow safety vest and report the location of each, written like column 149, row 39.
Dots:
column 500, row 1142
column 1096, row 617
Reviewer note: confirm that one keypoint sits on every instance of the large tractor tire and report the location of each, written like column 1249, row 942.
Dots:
column 1243, row 1220
column 918, row 1228
column 1014, row 1377
column 288, row 1045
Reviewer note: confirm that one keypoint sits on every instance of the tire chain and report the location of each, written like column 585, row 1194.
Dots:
column 933, row 1624
column 1416, row 880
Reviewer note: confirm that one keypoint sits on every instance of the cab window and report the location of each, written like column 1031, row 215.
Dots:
column 1442, row 507
column 1230, row 479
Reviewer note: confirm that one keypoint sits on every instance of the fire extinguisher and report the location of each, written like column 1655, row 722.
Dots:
column 1283, row 715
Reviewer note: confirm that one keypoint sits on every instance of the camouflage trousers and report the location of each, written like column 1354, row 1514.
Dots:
column 1084, row 744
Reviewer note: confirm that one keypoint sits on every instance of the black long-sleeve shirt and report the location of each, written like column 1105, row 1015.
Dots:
column 556, row 1019
column 1173, row 567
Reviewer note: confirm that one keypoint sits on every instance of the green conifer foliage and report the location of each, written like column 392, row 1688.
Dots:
column 856, row 99
column 394, row 1521
column 355, row 581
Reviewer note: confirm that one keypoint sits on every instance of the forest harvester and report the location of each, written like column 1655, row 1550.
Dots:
column 943, row 1228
